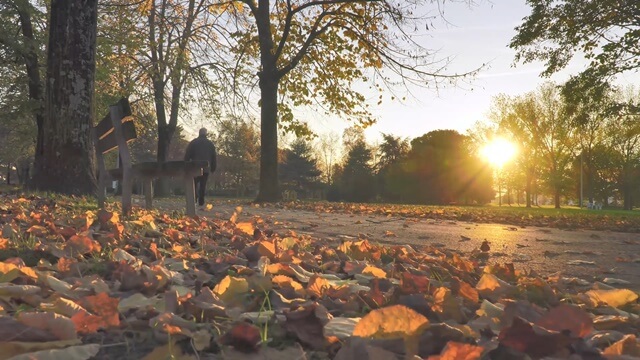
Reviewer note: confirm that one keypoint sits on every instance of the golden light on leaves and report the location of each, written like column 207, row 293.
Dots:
column 397, row 321
column 232, row 289
column 245, row 227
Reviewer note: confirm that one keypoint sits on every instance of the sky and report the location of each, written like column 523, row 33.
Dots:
column 474, row 36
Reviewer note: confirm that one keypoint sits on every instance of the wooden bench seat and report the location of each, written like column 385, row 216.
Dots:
column 115, row 131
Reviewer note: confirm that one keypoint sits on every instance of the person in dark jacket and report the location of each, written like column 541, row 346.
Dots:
column 201, row 148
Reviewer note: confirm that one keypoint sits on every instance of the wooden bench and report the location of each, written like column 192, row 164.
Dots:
column 115, row 131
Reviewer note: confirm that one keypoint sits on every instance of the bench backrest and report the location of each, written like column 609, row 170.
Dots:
column 106, row 131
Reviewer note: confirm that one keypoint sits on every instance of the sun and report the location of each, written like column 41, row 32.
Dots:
column 499, row 151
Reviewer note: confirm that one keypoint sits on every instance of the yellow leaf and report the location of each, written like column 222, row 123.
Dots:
column 614, row 297
column 397, row 321
column 8, row 272
column 245, row 227
column 231, row 289
column 374, row 271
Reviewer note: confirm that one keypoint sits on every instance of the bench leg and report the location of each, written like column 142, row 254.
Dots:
column 190, row 193
column 127, row 189
column 148, row 193
column 102, row 192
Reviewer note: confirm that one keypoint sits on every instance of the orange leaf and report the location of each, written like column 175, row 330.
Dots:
column 459, row 351
column 106, row 313
column 317, row 286
column 80, row 245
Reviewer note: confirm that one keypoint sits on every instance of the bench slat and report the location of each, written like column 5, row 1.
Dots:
column 105, row 126
column 152, row 169
column 110, row 142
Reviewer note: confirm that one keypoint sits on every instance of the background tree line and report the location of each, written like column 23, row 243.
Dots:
column 187, row 59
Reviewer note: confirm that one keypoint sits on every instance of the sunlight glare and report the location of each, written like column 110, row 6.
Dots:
column 499, row 151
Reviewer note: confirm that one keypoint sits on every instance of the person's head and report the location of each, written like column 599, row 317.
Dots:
column 203, row 132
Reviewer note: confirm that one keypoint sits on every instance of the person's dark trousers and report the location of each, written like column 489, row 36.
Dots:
column 201, row 187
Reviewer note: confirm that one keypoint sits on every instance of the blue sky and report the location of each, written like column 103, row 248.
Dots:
column 474, row 36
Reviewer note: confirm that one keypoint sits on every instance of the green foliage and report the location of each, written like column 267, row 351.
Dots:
column 441, row 169
column 238, row 147
column 605, row 32
column 299, row 170
column 357, row 177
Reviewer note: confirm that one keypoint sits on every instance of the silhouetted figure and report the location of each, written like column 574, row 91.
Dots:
column 201, row 149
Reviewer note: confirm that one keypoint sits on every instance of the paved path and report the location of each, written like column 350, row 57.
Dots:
column 589, row 255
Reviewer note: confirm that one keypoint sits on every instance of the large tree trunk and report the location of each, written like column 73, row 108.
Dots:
column 269, row 187
column 66, row 163
column 30, row 56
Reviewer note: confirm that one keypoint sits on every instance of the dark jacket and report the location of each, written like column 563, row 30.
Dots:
column 202, row 149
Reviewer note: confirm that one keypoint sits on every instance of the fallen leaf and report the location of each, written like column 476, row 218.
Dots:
column 397, row 321
column 79, row 352
column 614, row 297
column 459, row 351
column 243, row 337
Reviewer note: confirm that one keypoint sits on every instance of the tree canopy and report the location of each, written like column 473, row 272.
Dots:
column 604, row 32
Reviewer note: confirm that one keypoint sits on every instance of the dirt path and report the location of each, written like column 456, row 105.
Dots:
column 588, row 255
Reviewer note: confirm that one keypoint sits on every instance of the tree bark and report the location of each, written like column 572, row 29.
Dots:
column 269, row 79
column 66, row 163
column 556, row 198
column 269, row 186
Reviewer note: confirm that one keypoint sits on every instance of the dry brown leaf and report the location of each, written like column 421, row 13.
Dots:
column 567, row 317
column 60, row 326
column 9, row 349
column 79, row 352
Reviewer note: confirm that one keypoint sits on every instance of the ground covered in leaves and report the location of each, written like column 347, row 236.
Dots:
column 79, row 283
column 570, row 218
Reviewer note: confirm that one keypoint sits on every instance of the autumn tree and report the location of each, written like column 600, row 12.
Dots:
column 312, row 53
column 299, row 170
column 66, row 162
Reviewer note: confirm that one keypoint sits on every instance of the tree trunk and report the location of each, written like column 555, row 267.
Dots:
column 9, row 174
column 269, row 187
column 556, row 198
column 164, row 142
column 66, row 163
column 33, row 74
column 528, row 189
